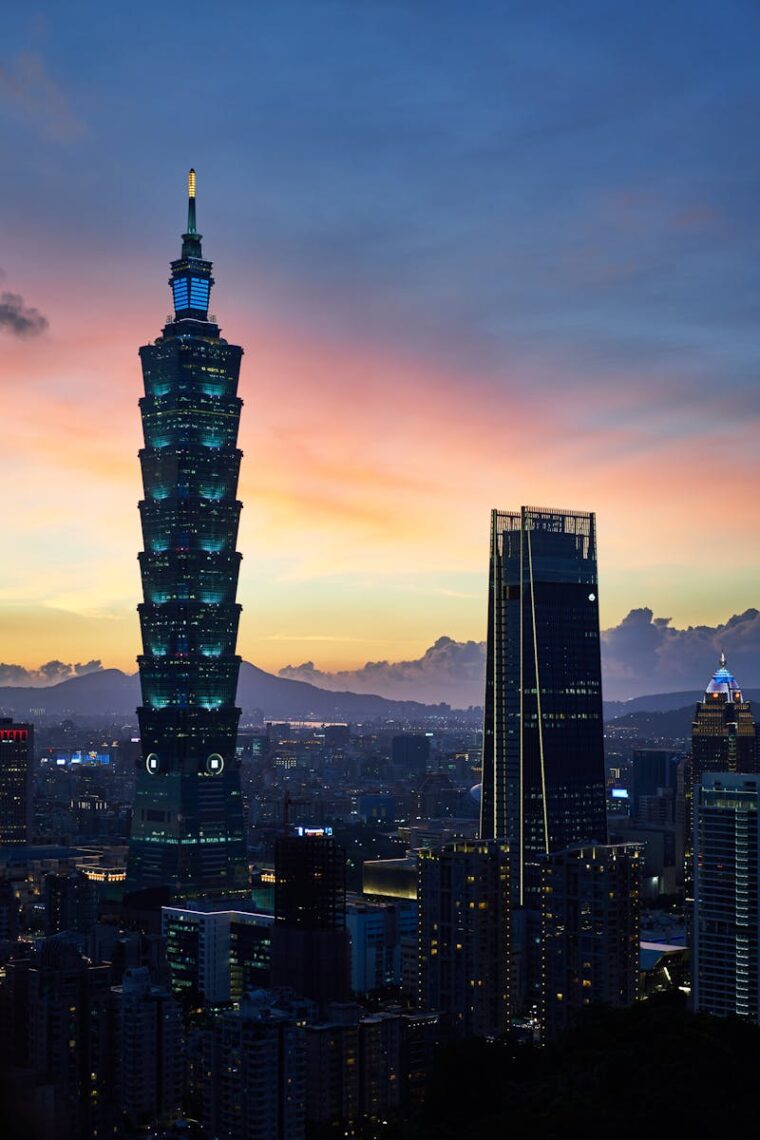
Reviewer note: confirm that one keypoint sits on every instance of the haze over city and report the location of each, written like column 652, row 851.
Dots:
column 475, row 261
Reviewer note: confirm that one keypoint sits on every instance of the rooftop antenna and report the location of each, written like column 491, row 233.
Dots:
column 191, row 202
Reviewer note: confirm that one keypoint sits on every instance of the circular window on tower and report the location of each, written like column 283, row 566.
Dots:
column 152, row 763
column 215, row 764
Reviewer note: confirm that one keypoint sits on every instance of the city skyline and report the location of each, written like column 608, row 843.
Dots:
column 322, row 814
column 415, row 354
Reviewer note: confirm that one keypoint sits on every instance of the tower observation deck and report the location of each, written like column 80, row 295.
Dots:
column 187, row 826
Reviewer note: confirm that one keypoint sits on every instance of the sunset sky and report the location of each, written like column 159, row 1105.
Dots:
column 477, row 254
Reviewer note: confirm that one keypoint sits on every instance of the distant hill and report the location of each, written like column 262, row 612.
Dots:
column 109, row 692
column 663, row 702
column 672, row 724
column 664, row 716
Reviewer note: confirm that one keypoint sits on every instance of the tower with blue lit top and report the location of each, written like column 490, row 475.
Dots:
column 187, row 826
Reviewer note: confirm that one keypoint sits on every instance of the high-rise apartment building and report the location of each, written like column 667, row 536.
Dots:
column 56, row 1031
column 378, row 932
column 254, row 1061
column 187, row 825
column 655, row 778
column 725, row 933
column 214, row 955
column 657, row 818
column 590, row 908
column 332, row 1074
column 310, row 879
column 410, row 752
column 147, row 1050
column 365, row 1067
column 311, row 947
column 10, row 912
column 543, row 757
column 464, row 935
column 16, row 758
column 71, row 902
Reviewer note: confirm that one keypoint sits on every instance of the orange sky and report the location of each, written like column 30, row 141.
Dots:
column 367, row 482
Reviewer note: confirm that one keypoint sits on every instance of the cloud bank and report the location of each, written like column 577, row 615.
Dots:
column 450, row 671
column 48, row 674
column 643, row 654
column 646, row 654
column 18, row 318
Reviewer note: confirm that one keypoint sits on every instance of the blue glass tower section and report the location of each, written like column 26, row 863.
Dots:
column 187, row 827
column 543, row 741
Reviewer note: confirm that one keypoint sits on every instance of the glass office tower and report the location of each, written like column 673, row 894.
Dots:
column 543, row 746
column 187, row 826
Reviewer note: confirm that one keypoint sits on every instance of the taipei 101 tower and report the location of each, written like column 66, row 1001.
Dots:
column 187, row 825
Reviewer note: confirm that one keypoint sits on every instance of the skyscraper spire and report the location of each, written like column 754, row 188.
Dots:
column 191, row 278
column 191, row 239
column 191, row 201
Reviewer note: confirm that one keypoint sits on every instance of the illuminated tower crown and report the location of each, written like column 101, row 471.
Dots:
column 724, row 736
column 187, row 826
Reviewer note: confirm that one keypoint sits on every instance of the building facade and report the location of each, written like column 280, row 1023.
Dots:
column 366, row 1067
column 311, row 947
column 655, row 777
column 216, row 955
column 71, row 903
column 543, row 784
column 255, row 1074
column 16, row 773
column 464, row 945
column 410, row 752
column 187, row 825
column 378, row 931
column 148, row 1051
column 725, row 957
column 590, row 924
column 55, row 1013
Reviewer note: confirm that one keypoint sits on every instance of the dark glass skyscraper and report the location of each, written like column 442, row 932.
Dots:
column 311, row 947
column 543, row 748
column 187, row 825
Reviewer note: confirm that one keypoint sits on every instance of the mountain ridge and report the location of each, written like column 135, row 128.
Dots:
column 112, row 692
column 115, row 693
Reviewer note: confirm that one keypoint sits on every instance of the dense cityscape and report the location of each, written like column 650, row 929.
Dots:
column 380, row 657
column 215, row 923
